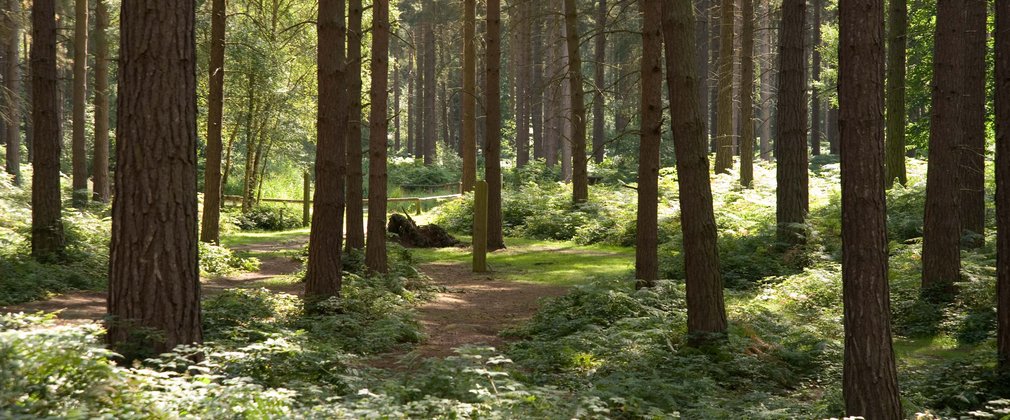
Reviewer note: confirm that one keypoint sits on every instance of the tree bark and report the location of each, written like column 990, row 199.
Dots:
column 701, row 36
column 79, row 143
column 646, row 226
column 355, row 211
column 100, row 164
column 524, row 94
column 815, row 77
column 941, row 254
column 323, row 279
column 469, row 99
column 430, row 124
column 706, row 309
column 712, row 78
column 250, row 139
column 397, row 115
column 411, row 106
column 767, row 80
column 971, row 197
column 12, row 81
column 833, row 130
column 580, row 172
column 537, row 88
column 375, row 250
column 1002, row 117
column 211, row 229
column 600, row 79
column 897, row 36
column 870, row 380
column 47, row 223
column 791, row 140
column 747, row 95
column 154, row 282
column 724, row 117
column 492, row 150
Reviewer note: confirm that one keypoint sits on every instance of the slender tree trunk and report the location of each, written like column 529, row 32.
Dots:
column 323, row 279
column 600, row 79
column 551, row 93
column 646, row 227
column 941, row 254
column 250, row 139
column 747, row 96
column 701, row 36
column 724, row 118
column 12, row 81
column 411, row 108
column 706, row 309
column 524, row 93
column 565, row 116
column 492, row 150
column 227, row 159
column 154, row 282
column 375, row 250
column 79, row 143
column 469, row 99
column 767, row 80
column 100, row 165
column 712, row 78
column 397, row 136
column 870, row 380
column 29, row 125
column 580, row 172
column 47, row 223
column 419, row 91
column 815, row 77
column 833, row 130
column 537, row 88
column 1002, row 117
column 971, row 197
column 211, row 230
column 355, row 195
column 791, row 140
column 430, row 124
column 897, row 36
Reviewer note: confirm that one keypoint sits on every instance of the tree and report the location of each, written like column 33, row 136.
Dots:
column 870, row 380
column 790, row 142
column 724, row 117
column 469, row 98
column 154, row 282
column 767, row 79
column 375, row 250
column 580, row 172
column 430, row 126
column 47, row 223
column 211, row 231
column 599, row 79
column 355, row 211
column 941, row 254
column 706, row 309
column 971, row 195
column 12, row 82
column 324, row 275
column 78, row 143
column 1002, row 103
column 646, row 226
column 492, row 105
column 815, row 76
column 100, row 163
column 897, row 21
column 747, row 95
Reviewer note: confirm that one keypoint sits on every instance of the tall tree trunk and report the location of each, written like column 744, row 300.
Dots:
column 492, row 150
column 941, row 254
column 747, row 95
column 469, row 98
column 1002, row 103
column 580, row 171
column 375, row 250
column 250, row 140
column 833, row 130
column 646, row 226
column 29, row 124
column 552, row 93
column 870, row 380
column 791, row 140
column 47, row 223
column 411, row 106
column 767, row 79
column 600, row 79
column 815, row 77
column 12, row 81
column 537, row 87
column 211, row 229
column 706, row 308
column 565, row 119
column 430, row 124
column 355, row 211
column 100, row 165
column 79, row 143
column 154, row 282
column 524, row 94
column 397, row 136
column 419, row 93
column 724, row 118
column 897, row 37
column 227, row 158
column 712, row 78
column 323, row 279
column 701, row 36
column 971, row 197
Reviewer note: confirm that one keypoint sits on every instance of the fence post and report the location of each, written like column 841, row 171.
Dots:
column 306, row 200
column 418, row 202
column 480, row 227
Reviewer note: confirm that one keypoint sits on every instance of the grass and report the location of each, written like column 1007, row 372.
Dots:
column 240, row 239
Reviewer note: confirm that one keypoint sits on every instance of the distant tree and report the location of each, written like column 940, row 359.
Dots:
column 870, row 380
column 211, row 229
column 12, row 82
column 747, row 95
column 79, row 145
column 941, row 236
column 599, row 80
column 430, row 124
column 324, row 275
column 580, row 172
column 706, row 308
column 815, row 77
column 791, row 140
column 897, row 33
column 47, row 222
column 375, row 250
column 100, row 164
column 646, row 256
column 154, row 282
column 492, row 104
column 971, row 194
column 767, row 78
column 724, row 116
column 469, row 95
column 355, row 210
column 1002, row 118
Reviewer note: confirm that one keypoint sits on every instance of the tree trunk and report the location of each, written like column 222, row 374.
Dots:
column 211, row 230
column 724, row 118
column 580, row 171
column 537, row 88
column 701, row 36
column 791, row 140
column 870, row 380
column 600, row 79
column 971, row 197
column 47, row 223
column 815, row 77
column 646, row 226
column 419, row 93
column 79, row 143
column 12, row 82
column 154, row 282
column 29, row 125
column 897, row 37
column 469, row 99
column 100, row 165
column 355, row 195
column 833, row 130
column 411, row 106
column 706, row 309
column 250, row 139
column 524, row 94
column 767, row 80
column 747, row 96
column 375, row 250
column 397, row 136
column 712, row 78
column 430, row 124
column 492, row 150
column 1002, row 117
column 941, row 254
column 323, row 279
column 565, row 116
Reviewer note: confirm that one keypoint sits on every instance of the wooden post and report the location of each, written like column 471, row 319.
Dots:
column 480, row 227
column 418, row 202
column 306, row 200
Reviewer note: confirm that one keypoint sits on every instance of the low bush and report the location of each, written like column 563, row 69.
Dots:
column 269, row 218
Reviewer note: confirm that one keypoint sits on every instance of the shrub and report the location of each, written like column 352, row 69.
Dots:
column 218, row 260
column 269, row 218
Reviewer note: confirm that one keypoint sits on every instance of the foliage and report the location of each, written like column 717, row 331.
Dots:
column 269, row 218
column 218, row 260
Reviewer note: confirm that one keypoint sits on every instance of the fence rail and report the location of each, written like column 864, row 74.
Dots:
column 306, row 202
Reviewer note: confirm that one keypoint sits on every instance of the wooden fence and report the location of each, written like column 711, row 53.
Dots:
column 307, row 202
